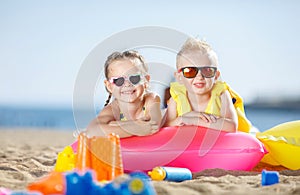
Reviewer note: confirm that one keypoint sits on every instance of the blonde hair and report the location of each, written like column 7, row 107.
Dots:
column 131, row 55
column 194, row 44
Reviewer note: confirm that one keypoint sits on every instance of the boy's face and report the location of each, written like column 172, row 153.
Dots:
column 199, row 84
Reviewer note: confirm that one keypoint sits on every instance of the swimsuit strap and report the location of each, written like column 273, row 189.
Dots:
column 123, row 118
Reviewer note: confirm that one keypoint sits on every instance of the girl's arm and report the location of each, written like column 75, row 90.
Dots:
column 100, row 126
column 153, row 110
column 106, row 123
column 149, row 123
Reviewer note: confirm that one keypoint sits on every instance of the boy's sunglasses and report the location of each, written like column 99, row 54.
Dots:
column 191, row 72
column 119, row 81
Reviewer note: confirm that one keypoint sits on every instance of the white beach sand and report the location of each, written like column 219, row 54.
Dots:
column 28, row 154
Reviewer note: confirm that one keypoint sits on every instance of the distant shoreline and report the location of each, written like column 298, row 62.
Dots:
column 262, row 114
column 282, row 104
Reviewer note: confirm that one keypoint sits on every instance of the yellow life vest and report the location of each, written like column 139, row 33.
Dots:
column 178, row 93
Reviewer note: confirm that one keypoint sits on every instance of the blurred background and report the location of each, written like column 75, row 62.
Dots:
column 44, row 44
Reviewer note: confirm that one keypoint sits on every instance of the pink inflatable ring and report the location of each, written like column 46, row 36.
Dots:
column 192, row 147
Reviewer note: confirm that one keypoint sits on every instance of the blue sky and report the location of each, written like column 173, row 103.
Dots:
column 44, row 43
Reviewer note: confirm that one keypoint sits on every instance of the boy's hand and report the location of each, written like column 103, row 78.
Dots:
column 209, row 118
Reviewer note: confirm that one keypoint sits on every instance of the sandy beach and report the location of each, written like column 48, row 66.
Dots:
column 28, row 154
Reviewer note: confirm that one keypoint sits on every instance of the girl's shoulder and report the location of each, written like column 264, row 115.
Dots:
column 150, row 99
column 110, row 109
column 153, row 97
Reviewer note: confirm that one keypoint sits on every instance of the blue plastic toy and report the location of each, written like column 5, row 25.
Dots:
column 76, row 183
column 269, row 177
column 138, row 183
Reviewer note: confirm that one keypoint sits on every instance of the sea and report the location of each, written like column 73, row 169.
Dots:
column 263, row 118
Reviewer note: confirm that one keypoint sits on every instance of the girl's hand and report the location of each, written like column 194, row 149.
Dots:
column 146, row 127
column 140, row 127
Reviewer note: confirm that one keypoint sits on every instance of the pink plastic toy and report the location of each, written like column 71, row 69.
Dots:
column 192, row 147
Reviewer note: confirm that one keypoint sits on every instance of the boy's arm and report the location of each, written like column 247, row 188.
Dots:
column 172, row 119
column 229, row 117
column 190, row 118
column 228, row 120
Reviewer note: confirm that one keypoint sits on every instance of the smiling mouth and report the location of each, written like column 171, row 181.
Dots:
column 128, row 92
column 199, row 85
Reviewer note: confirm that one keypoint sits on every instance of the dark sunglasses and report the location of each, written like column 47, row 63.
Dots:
column 119, row 81
column 191, row 72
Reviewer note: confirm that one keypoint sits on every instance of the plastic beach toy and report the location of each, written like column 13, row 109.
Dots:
column 269, row 177
column 54, row 183
column 65, row 160
column 283, row 144
column 192, row 147
column 79, row 183
column 102, row 154
column 170, row 174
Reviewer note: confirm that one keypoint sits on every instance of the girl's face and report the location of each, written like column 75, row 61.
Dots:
column 198, row 85
column 125, row 81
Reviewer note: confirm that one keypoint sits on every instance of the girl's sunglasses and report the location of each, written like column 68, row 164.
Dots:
column 119, row 81
column 191, row 72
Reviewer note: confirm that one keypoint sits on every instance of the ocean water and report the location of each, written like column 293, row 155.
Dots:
column 261, row 117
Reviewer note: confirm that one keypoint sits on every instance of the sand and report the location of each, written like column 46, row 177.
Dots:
column 28, row 154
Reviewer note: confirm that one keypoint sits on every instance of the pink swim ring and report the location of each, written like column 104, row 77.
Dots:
column 192, row 147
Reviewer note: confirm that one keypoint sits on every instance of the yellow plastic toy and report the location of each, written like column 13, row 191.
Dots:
column 66, row 160
column 283, row 144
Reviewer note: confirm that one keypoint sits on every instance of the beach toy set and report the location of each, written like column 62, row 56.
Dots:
column 193, row 147
column 93, row 168
column 90, row 165
column 73, row 183
column 77, row 184
column 101, row 154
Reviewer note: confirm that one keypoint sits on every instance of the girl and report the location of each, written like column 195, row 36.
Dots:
column 134, row 110
column 199, row 98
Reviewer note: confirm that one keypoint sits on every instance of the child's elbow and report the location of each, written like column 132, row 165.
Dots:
column 234, row 127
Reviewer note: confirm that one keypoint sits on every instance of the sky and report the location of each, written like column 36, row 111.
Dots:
column 44, row 44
